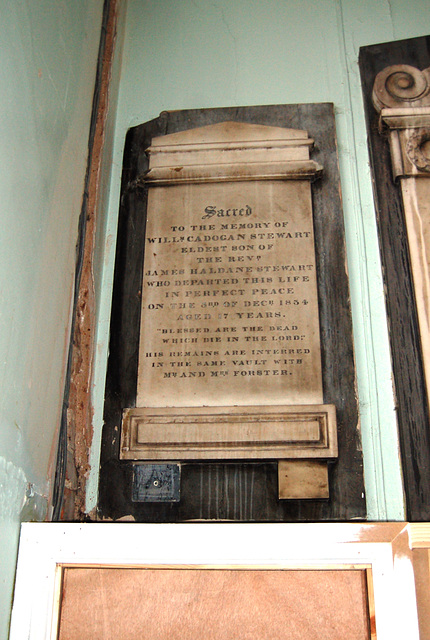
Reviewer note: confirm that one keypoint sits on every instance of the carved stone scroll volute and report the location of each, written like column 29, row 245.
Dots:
column 401, row 94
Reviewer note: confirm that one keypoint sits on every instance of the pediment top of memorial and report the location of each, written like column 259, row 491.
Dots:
column 228, row 132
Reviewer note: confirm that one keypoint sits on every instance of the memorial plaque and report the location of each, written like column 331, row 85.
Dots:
column 231, row 349
column 229, row 295
column 229, row 311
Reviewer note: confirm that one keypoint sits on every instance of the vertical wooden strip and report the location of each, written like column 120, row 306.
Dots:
column 371, row 603
column 79, row 414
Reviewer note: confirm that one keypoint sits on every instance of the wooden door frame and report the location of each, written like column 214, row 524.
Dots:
column 386, row 549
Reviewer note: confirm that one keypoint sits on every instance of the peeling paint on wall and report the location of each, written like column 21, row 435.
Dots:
column 19, row 500
column 13, row 485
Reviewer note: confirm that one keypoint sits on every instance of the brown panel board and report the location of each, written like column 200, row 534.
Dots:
column 185, row 604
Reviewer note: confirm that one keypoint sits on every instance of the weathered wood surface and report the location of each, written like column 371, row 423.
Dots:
column 412, row 407
column 235, row 491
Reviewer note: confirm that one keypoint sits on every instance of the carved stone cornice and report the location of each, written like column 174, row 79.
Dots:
column 231, row 152
column 401, row 95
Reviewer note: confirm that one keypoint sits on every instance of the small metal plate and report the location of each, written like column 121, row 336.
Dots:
column 156, row 483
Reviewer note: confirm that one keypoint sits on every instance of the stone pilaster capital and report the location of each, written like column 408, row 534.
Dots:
column 401, row 95
column 401, row 86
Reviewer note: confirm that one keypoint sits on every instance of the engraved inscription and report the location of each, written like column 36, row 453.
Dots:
column 229, row 296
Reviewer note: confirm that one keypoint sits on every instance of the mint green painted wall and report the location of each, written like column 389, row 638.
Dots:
column 200, row 53
column 47, row 74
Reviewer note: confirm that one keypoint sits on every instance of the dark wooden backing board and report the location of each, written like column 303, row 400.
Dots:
column 412, row 408
column 235, row 491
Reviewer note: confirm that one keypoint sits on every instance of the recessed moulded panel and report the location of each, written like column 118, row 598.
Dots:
column 230, row 433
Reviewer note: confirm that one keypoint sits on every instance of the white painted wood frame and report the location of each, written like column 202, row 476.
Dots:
column 384, row 548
